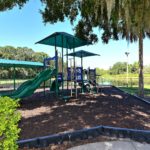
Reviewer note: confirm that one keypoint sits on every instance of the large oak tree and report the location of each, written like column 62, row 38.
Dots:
column 9, row 4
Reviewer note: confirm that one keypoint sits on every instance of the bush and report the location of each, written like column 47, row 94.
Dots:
column 9, row 118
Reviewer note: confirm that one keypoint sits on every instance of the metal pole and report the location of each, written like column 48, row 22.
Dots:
column 127, row 71
column 14, row 78
column 82, row 72
column 62, row 66
column 67, row 67
column 44, row 81
column 75, row 85
column 71, row 74
column 74, row 66
column 56, row 67
column 127, row 54
column 81, row 61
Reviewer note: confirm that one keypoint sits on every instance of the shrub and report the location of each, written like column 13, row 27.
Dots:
column 9, row 118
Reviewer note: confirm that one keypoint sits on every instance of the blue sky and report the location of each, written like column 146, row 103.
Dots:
column 23, row 27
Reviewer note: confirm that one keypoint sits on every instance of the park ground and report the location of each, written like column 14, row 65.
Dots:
column 44, row 116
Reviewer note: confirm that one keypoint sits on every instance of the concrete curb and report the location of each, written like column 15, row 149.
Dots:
column 137, row 135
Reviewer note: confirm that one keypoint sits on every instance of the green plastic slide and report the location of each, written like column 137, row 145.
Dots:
column 28, row 87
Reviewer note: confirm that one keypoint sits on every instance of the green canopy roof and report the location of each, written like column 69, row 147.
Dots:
column 64, row 40
column 82, row 54
column 18, row 63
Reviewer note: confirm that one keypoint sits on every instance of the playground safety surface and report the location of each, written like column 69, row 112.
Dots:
column 111, row 107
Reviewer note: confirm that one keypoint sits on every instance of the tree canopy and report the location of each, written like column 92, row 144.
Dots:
column 118, row 19
column 24, row 54
column 9, row 4
column 20, row 53
column 121, row 68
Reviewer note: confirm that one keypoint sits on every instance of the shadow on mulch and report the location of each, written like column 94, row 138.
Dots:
column 44, row 116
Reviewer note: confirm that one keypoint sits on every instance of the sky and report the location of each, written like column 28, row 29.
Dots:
column 23, row 27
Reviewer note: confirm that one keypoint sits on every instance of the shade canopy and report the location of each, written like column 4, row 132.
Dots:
column 82, row 54
column 63, row 39
column 18, row 63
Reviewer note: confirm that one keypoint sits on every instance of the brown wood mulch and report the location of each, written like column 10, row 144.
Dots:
column 44, row 116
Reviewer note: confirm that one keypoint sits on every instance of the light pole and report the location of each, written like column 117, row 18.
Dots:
column 127, row 54
column 59, row 61
column 71, row 71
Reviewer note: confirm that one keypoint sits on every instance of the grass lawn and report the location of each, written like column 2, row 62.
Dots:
column 124, row 76
column 9, row 81
column 2, row 82
column 134, row 90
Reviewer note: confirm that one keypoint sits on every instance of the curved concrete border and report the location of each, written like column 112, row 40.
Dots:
column 137, row 135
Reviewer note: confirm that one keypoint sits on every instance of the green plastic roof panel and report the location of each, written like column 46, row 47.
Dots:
column 82, row 54
column 18, row 63
column 62, row 39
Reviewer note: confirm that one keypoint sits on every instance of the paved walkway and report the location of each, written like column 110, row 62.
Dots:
column 113, row 145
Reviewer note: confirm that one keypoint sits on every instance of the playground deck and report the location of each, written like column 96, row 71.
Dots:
column 47, row 116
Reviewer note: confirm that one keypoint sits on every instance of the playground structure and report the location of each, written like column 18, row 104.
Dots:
column 63, row 40
column 74, row 74
column 28, row 87
column 90, row 80
column 112, row 108
column 18, row 64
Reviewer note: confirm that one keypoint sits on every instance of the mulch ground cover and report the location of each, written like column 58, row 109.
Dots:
column 43, row 116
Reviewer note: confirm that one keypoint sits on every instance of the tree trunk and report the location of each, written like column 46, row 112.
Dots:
column 141, row 78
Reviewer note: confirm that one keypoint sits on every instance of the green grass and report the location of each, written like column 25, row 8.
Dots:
column 2, row 82
column 134, row 90
column 123, row 75
column 11, row 81
column 121, row 80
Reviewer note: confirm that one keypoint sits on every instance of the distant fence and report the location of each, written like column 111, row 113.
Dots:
column 132, row 83
column 8, row 84
column 121, row 81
